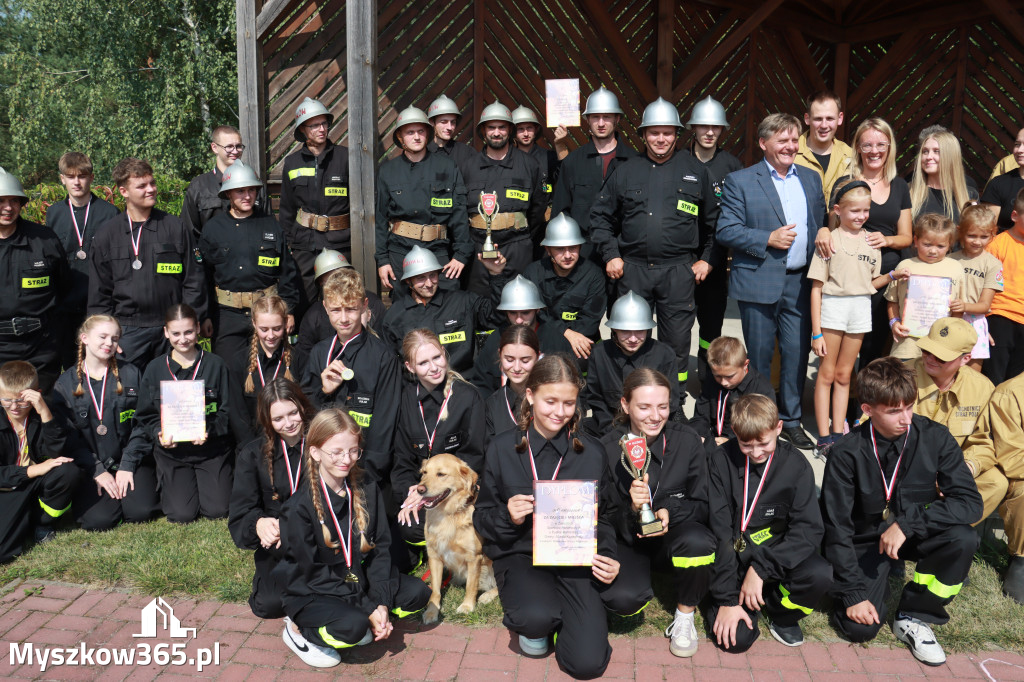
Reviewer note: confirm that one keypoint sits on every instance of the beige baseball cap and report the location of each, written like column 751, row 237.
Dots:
column 949, row 338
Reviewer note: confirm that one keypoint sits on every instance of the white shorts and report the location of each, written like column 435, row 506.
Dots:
column 849, row 314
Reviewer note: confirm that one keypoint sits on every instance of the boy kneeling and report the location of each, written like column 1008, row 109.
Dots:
column 897, row 487
column 768, row 525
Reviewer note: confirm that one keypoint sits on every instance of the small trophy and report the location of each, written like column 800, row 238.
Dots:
column 635, row 459
column 488, row 207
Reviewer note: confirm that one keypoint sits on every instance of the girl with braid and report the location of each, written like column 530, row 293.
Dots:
column 541, row 601
column 268, row 470
column 97, row 399
column 339, row 582
column 270, row 357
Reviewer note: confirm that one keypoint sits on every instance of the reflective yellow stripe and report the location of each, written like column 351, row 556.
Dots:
column 335, row 191
column 788, row 603
column 438, row 202
column 703, row 344
column 568, row 316
column 517, row 194
column 268, row 262
column 692, row 561
column 637, row 612
column 126, row 415
column 547, row 190
column 301, row 172
column 683, row 376
column 330, row 641
column 402, row 613
column 935, row 587
column 211, row 408
column 169, row 268
column 50, row 511
column 686, row 207
column 761, row 535
column 454, row 337
column 361, row 418
column 35, row 282
column 416, row 544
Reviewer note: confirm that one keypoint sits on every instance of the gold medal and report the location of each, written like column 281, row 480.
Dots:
column 740, row 545
column 885, row 513
column 351, row 577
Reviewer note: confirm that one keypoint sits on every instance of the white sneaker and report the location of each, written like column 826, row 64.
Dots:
column 311, row 654
column 682, row 634
column 920, row 638
column 537, row 646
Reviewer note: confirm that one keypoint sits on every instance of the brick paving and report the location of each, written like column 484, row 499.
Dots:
column 54, row 615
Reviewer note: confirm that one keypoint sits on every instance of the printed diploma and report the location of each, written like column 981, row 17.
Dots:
column 564, row 523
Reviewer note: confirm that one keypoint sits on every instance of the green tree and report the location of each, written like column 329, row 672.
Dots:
column 114, row 78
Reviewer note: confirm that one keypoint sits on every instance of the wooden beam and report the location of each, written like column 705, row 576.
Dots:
column 361, row 77
column 251, row 120
column 895, row 55
column 841, row 79
column 666, row 39
column 270, row 13
column 725, row 48
column 936, row 19
column 751, row 124
column 479, row 54
column 798, row 46
column 960, row 83
column 607, row 29
column 1010, row 18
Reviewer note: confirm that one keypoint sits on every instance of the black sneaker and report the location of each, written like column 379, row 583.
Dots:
column 44, row 534
column 790, row 635
column 821, row 450
column 796, row 436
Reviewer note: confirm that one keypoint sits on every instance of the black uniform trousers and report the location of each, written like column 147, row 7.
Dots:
column 514, row 245
column 265, row 599
column 232, row 340
column 943, row 561
column 785, row 603
column 40, row 501
column 194, row 486
column 39, row 348
column 139, row 345
column 688, row 547
column 669, row 288
column 99, row 511
column 711, row 297
column 538, row 601
column 334, row 622
column 1007, row 355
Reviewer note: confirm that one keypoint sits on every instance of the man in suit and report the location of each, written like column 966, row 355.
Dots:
column 770, row 213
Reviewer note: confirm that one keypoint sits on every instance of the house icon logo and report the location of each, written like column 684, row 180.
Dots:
column 158, row 616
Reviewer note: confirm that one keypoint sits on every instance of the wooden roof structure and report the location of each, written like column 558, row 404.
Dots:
column 914, row 63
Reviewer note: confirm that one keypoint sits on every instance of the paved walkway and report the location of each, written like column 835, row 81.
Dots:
column 54, row 616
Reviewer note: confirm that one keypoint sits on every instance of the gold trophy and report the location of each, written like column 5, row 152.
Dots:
column 635, row 457
column 488, row 206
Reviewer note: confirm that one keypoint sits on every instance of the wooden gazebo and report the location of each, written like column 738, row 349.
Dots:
column 913, row 62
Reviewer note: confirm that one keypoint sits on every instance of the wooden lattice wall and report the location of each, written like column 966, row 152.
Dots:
column 752, row 58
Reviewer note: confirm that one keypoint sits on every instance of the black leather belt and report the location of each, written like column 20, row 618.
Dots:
column 19, row 326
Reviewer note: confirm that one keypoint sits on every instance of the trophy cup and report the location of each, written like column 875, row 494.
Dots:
column 635, row 459
column 488, row 207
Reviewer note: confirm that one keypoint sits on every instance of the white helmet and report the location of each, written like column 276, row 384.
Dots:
column 307, row 109
column 418, row 261
column 660, row 113
column 237, row 176
column 520, row 294
column 562, row 230
column 443, row 105
column 602, row 101
column 630, row 313
column 10, row 186
column 708, row 112
column 524, row 115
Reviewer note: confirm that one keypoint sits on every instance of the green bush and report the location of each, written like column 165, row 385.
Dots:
column 170, row 197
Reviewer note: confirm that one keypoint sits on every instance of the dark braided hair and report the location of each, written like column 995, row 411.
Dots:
column 555, row 368
column 279, row 390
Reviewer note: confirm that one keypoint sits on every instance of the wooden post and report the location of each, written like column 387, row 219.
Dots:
column 752, row 122
column 961, row 82
column 251, row 121
column 361, row 76
column 666, row 38
column 841, row 82
column 479, row 35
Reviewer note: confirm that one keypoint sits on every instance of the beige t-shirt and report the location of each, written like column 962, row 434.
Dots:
column 850, row 269
column 897, row 292
column 981, row 272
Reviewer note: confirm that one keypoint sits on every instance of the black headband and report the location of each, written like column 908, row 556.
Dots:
column 847, row 187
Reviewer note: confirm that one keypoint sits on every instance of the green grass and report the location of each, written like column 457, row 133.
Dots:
column 199, row 560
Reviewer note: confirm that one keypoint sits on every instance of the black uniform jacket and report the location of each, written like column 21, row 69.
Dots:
column 310, row 569
column 255, row 496
column 202, row 201
column 45, row 441
column 214, row 373
column 853, row 495
column 35, row 272
column 516, row 179
column 429, row 192
column 124, row 444
column 458, row 434
column 454, row 315
column 677, row 476
column 170, row 272
column 249, row 254
column 577, row 301
column 720, row 165
column 508, row 473
column 580, row 178
column 784, row 529
column 486, row 372
column 547, row 161
column 316, row 326
column 459, row 152
column 705, row 419
column 608, row 368
column 371, row 396
column 651, row 213
column 501, row 410
column 58, row 219
column 318, row 185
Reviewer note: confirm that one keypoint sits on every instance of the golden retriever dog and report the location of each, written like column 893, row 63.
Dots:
column 448, row 488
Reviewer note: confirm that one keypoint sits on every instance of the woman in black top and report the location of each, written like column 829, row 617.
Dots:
column 195, row 477
column 1001, row 191
column 98, row 398
column 440, row 412
column 938, row 183
column 518, row 352
column 539, row 600
column 268, row 470
column 270, row 355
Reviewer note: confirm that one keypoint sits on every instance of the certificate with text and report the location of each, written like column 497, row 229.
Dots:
column 564, row 523
column 183, row 410
column 562, row 102
column 927, row 300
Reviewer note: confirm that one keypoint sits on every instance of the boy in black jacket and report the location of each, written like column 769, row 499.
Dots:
column 766, row 519
column 897, row 487
column 730, row 378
